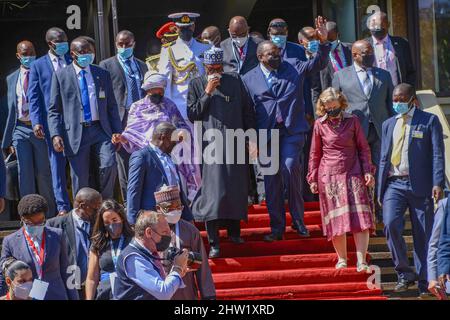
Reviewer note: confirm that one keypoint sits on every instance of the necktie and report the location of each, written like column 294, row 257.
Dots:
column 338, row 59
column 367, row 83
column 134, row 88
column 382, row 63
column 399, row 141
column 241, row 53
column 82, row 258
column 24, row 110
column 85, row 97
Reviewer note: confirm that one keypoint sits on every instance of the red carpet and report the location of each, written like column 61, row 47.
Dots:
column 294, row 268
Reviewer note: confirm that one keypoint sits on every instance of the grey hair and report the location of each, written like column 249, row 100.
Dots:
column 261, row 46
column 164, row 128
column 11, row 266
column 146, row 219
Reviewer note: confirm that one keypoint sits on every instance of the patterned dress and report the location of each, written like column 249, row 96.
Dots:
column 143, row 118
column 339, row 159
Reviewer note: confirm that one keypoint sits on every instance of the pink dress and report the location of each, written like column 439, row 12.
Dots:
column 339, row 159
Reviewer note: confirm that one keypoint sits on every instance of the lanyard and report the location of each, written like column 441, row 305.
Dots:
column 38, row 255
column 115, row 254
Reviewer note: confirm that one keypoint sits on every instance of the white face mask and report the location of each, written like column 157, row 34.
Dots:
column 22, row 290
column 240, row 41
column 214, row 75
column 173, row 217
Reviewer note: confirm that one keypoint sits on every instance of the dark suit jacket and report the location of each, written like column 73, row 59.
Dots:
column 287, row 93
column 426, row 155
column 65, row 113
column 405, row 64
column 2, row 177
column 11, row 82
column 327, row 74
column 230, row 62
column 118, row 79
column 146, row 176
column 67, row 225
column 39, row 89
column 443, row 253
column 378, row 107
column 55, row 266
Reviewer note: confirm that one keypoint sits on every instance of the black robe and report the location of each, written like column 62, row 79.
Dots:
column 224, row 190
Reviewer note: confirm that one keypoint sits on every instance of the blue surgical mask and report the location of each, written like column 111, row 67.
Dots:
column 27, row 61
column 313, row 46
column 125, row 53
column 402, row 107
column 61, row 48
column 279, row 40
column 85, row 60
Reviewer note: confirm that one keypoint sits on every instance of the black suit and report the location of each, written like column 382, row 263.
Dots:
column 405, row 65
column 120, row 91
column 230, row 62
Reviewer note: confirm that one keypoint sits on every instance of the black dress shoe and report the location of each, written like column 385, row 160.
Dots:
column 214, row 252
column 273, row 237
column 403, row 285
column 237, row 240
column 301, row 229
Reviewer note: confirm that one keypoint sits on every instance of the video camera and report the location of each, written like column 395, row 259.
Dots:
column 194, row 258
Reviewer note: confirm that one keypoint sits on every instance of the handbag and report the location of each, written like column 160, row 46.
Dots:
column 12, row 178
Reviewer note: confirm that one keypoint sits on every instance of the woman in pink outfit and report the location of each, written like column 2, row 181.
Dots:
column 341, row 171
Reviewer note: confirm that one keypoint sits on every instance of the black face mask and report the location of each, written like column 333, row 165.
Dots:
column 164, row 243
column 379, row 34
column 274, row 62
column 334, row 113
column 156, row 98
column 186, row 34
column 368, row 60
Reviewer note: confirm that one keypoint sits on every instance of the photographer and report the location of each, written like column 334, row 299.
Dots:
column 140, row 275
column 185, row 235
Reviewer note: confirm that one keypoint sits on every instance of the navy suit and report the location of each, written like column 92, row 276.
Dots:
column 2, row 178
column 65, row 117
column 287, row 96
column 31, row 152
column 443, row 254
column 56, row 267
column 41, row 73
column 121, row 90
column 146, row 176
column 426, row 170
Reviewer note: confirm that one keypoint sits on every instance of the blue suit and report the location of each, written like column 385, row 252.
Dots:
column 65, row 117
column 443, row 254
column 146, row 176
column 31, row 152
column 287, row 96
column 426, row 170
column 41, row 73
column 56, row 268
column 2, row 178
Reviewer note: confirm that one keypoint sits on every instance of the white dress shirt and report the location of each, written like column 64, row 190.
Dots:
column 385, row 57
column 23, row 111
column 91, row 90
column 54, row 59
column 403, row 168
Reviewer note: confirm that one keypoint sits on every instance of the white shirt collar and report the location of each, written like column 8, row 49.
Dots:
column 78, row 69
column 265, row 70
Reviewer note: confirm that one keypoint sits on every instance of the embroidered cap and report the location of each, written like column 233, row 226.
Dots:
column 167, row 194
column 154, row 80
column 213, row 56
column 184, row 19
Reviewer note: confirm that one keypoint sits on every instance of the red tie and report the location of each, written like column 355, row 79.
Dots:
column 241, row 52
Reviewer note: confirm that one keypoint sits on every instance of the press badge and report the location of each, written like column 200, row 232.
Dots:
column 102, row 94
column 417, row 134
column 39, row 289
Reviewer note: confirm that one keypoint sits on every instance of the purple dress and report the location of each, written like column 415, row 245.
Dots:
column 339, row 159
column 143, row 118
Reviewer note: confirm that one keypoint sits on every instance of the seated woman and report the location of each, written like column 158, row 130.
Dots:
column 111, row 234
column 341, row 171
column 146, row 114
column 19, row 279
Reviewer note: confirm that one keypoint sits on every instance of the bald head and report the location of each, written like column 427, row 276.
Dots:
column 362, row 52
column 212, row 35
column 55, row 34
column 238, row 27
column 87, row 202
column 87, row 195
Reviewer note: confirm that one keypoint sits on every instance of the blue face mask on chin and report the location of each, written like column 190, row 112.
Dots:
column 125, row 53
column 279, row 40
column 402, row 107
column 27, row 61
column 61, row 48
column 313, row 46
column 85, row 60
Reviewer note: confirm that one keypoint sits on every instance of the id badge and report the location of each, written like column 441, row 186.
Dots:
column 112, row 280
column 417, row 134
column 39, row 289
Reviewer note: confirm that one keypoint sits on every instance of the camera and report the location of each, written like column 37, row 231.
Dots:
column 193, row 257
